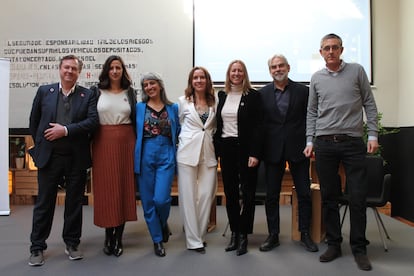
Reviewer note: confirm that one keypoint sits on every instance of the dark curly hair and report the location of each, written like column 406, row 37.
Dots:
column 104, row 82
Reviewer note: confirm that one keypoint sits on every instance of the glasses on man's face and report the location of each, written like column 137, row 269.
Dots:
column 333, row 48
column 275, row 66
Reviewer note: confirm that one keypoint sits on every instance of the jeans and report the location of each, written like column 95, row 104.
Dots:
column 351, row 153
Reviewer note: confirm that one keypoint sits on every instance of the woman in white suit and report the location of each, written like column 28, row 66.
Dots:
column 196, row 160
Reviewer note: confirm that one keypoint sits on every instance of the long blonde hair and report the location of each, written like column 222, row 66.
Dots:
column 246, row 82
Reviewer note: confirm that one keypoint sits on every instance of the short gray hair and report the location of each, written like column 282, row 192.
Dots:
column 282, row 57
column 331, row 36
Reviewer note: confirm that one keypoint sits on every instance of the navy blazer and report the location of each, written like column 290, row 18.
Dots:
column 248, row 119
column 284, row 138
column 84, row 121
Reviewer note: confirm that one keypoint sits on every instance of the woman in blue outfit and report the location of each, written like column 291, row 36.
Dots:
column 155, row 151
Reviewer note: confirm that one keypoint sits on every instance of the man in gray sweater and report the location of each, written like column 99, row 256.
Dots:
column 338, row 94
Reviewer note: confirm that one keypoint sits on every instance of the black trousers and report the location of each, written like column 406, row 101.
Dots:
column 351, row 153
column 60, row 168
column 273, row 175
column 239, row 183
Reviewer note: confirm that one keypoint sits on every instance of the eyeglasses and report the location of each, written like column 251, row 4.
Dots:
column 333, row 48
column 280, row 65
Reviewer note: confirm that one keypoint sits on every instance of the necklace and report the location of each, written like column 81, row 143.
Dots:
column 201, row 109
column 156, row 106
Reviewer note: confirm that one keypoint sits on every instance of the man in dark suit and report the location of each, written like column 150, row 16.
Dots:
column 62, row 118
column 284, row 104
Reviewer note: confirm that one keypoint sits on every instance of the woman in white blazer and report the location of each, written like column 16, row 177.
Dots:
column 196, row 159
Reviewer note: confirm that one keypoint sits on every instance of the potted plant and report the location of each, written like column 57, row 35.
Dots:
column 381, row 132
column 21, row 153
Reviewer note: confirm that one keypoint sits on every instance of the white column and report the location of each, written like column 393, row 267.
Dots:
column 4, row 136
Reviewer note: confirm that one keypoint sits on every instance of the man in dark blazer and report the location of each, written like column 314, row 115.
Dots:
column 62, row 119
column 284, row 104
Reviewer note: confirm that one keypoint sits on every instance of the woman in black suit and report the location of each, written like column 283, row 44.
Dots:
column 235, row 142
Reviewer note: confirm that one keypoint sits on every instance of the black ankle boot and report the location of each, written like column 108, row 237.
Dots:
column 109, row 241
column 118, row 248
column 166, row 233
column 242, row 249
column 159, row 249
column 234, row 242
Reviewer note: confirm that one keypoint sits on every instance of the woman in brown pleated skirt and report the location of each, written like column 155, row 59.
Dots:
column 113, row 154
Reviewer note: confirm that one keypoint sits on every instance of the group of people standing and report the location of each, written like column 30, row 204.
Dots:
column 140, row 146
column 136, row 146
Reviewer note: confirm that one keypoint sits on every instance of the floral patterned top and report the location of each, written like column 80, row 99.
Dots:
column 204, row 117
column 156, row 123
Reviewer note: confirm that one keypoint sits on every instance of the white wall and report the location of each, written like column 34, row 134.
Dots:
column 404, row 52
column 393, row 27
column 385, row 35
column 168, row 23
column 4, row 137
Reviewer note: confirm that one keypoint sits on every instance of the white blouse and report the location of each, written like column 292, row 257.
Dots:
column 229, row 114
column 113, row 108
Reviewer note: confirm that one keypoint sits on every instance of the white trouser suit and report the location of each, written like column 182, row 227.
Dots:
column 197, row 171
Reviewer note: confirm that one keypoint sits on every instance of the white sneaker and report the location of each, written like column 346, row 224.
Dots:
column 73, row 253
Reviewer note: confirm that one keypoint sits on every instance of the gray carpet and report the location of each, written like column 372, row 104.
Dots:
column 138, row 258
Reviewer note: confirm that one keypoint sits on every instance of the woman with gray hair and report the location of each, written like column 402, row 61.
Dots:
column 157, row 131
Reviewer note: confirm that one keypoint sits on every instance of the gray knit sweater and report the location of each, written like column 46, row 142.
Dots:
column 337, row 100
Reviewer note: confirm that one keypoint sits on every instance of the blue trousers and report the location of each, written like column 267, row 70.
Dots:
column 154, row 181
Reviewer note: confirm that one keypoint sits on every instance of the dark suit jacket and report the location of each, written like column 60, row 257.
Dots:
column 248, row 117
column 84, row 121
column 284, row 138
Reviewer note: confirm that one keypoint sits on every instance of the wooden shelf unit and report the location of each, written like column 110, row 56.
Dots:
column 24, row 188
